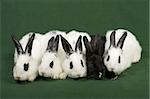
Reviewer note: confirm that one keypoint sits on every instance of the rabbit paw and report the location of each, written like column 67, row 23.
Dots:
column 32, row 78
column 56, row 77
column 63, row 76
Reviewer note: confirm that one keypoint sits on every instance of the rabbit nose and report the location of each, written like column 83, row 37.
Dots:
column 111, row 69
column 17, row 78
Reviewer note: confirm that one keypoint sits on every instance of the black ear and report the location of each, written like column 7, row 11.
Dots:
column 112, row 39
column 50, row 44
column 95, row 40
column 66, row 46
column 79, row 44
column 87, row 45
column 17, row 45
column 121, row 40
column 56, row 43
column 28, row 47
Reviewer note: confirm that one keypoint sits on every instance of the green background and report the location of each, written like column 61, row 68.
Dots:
column 94, row 16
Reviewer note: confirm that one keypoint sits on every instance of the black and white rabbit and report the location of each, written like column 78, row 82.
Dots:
column 27, row 57
column 121, row 50
column 74, row 63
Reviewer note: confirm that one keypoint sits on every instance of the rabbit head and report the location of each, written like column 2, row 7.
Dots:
column 74, row 64
column 25, row 66
column 114, row 58
column 50, row 65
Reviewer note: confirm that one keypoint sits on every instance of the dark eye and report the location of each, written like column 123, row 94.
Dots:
column 82, row 63
column 71, row 65
column 26, row 66
column 108, row 58
column 119, row 59
column 51, row 64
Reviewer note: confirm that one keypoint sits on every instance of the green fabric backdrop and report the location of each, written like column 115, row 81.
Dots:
column 93, row 16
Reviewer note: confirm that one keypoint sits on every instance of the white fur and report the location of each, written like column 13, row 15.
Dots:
column 75, row 57
column 73, row 36
column 57, row 57
column 130, row 53
column 33, row 60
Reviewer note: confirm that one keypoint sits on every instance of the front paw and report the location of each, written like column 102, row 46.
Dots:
column 32, row 78
column 63, row 75
column 55, row 77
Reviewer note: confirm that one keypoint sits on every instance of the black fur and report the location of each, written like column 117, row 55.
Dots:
column 94, row 56
column 53, row 44
column 79, row 44
column 121, row 40
column 28, row 48
column 50, row 43
column 17, row 45
column 66, row 45
column 112, row 39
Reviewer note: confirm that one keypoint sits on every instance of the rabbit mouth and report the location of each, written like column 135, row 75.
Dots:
column 111, row 74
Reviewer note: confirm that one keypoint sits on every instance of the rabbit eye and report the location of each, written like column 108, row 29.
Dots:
column 26, row 66
column 82, row 63
column 119, row 59
column 71, row 65
column 108, row 58
column 51, row 64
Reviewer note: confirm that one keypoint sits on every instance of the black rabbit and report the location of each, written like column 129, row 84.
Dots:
column 94, row 56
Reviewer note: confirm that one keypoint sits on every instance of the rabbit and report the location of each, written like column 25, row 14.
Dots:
column 121, row 50
column 27, row 57
column 53, row 57
column 94, row 56
column 74, row 64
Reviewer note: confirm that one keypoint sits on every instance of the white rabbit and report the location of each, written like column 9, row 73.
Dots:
column 27, row 57
column 74, row 64
column 54, row 55
column 121, row 49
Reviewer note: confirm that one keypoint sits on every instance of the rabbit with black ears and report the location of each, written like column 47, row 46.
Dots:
column 74, row 64
column 53, row 57
column 94, row 56
column 27, row 57
column 121, row 50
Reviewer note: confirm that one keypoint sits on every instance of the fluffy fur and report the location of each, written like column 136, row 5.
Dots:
column 73, row 36
column 74, row 64
column 25, row 58
column 129, row 53
column 54, row 58
column 94, row 56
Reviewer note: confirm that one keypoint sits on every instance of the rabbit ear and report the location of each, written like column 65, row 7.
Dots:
column 55, row 44
column 50, row 44
column 78, row 45
column 17, row 45
column 87, row 44
column 94, row 41
column 28, row 47
column 112, row 39
column 121, row 40
column 66, row 46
